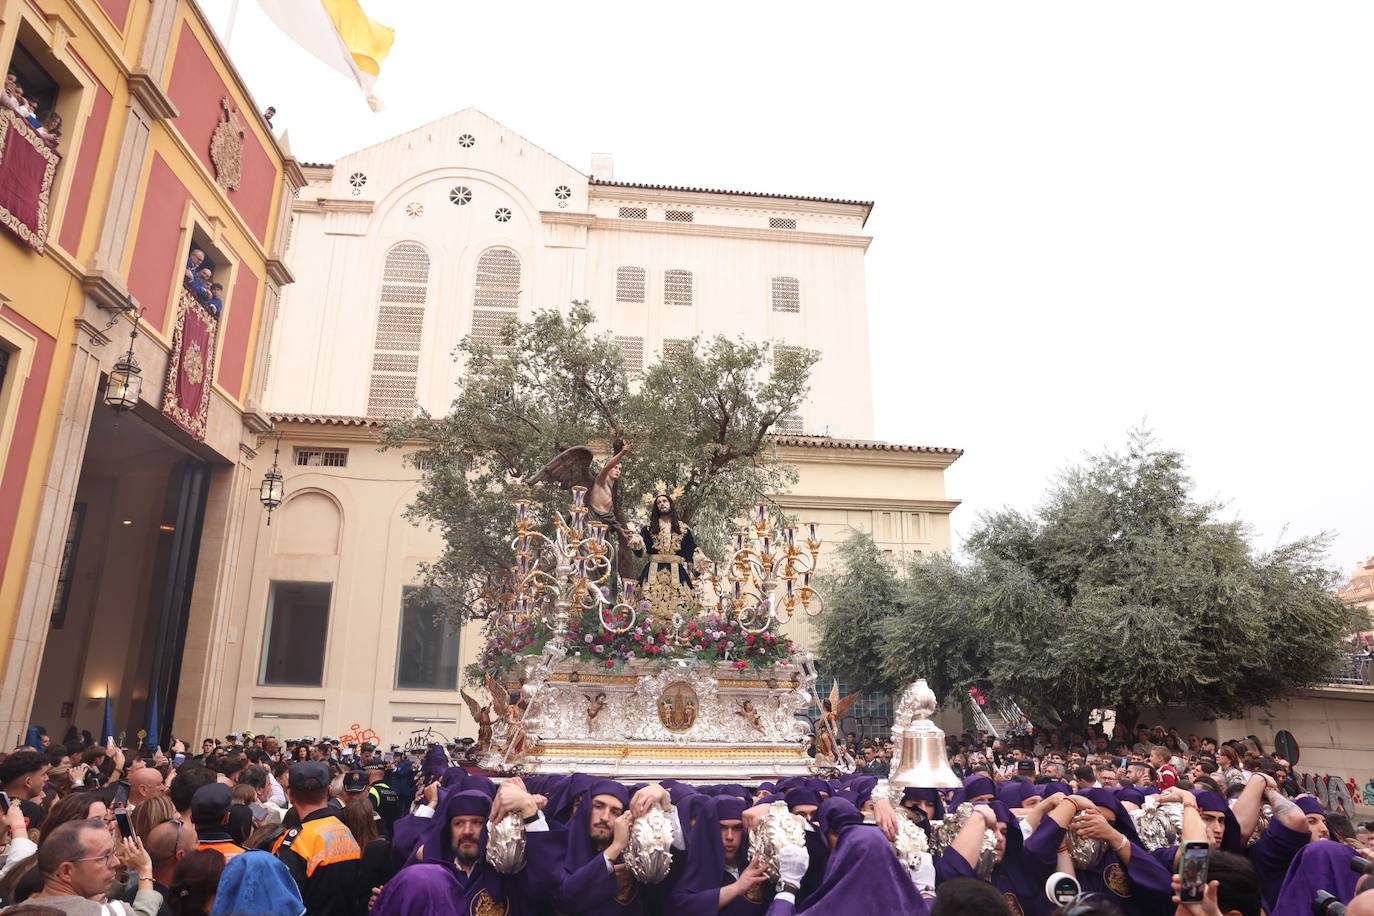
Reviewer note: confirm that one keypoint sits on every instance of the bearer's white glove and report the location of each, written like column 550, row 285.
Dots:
column 792, row 864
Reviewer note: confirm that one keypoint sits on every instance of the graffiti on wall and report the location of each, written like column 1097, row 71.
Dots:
column 1335, row 794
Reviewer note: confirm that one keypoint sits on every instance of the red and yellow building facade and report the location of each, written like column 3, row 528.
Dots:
column 118, row 533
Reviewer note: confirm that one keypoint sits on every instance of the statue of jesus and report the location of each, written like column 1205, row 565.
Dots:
column 667, row 579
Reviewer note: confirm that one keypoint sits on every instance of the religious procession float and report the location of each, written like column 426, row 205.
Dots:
column 631, row 654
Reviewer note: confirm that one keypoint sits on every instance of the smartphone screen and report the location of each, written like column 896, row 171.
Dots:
column 1192, row 872
column 126, row 830
column 121, row 796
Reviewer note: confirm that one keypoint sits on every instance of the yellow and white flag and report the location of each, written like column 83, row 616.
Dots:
column 339, row 33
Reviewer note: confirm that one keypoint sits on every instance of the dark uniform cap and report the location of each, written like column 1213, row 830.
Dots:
column 210, row 803
column 355, row 781
column 307, row 775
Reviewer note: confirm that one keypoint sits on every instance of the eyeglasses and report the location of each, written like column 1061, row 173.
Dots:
column 176, row 844
column 105, row 856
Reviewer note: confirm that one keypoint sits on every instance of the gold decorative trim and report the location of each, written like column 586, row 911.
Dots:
column 659, row 752
column 565, row 677
column 35, row 239
column 171, row 406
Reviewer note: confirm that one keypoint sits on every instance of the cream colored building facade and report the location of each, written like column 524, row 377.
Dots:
column 400, row 251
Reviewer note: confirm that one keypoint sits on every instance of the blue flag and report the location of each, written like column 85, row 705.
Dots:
column 107, row 727
column 150, row 742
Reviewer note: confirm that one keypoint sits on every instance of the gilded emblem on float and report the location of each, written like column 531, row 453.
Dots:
column 1114, row 876
column 194, row 365
column 678, row 706
column 226, row 148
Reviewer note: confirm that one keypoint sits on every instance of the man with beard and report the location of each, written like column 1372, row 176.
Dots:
column 718, row 877
column 1120, row 866
column 594, row 880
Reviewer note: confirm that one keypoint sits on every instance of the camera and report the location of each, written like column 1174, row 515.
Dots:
column 1326, row 905
column 1362, row 866
column 1062, row 888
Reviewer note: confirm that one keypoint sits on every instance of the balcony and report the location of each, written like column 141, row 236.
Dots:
column 1357, row 671
column 27, row 167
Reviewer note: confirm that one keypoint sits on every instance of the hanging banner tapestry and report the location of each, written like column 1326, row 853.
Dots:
column 186, row 396
column 27, row 167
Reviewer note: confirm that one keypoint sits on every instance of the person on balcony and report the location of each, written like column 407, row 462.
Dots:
column 216, row 303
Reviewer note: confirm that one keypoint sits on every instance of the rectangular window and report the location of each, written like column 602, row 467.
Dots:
column 677, row 287
column 427, row 650
column 4, row 367
column 297, row 627
column 321, row 457
column 679, row 216
column 632, row 349
column 634, row 212
column 672, row 347
column 68, row 565
column 629, row 284
column 781, row 222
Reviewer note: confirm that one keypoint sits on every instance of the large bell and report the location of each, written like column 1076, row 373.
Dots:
column 918, row 756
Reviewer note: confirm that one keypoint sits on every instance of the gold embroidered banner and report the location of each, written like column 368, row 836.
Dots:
column 27, row 167
column 186, row 396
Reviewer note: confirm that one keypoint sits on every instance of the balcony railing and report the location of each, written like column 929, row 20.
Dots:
column 1358, row 670
column 27, row 167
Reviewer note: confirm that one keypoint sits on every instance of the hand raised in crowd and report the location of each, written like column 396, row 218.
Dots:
column 886, row 818
column 1207, row 907
column 620, row 835
column 134, row 857
column 431, row 793
column 15, row 827
column 752, row 876
column 649, row 796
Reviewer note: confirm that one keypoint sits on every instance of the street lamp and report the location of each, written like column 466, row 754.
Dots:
column 272, row 490
column 125, row 380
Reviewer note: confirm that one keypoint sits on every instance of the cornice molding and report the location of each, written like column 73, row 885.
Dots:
column 96, row 336
column 880, row 503
column 146, row 91
column 333, row 205
column 724, row 199
column 800, row 455
column 295, row 175
column 256, row 420
column 105, row 288
column 733, row 232
column 563, row 218
column 278, row 273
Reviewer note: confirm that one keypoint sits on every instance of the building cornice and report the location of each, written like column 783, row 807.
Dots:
column 333, row 205
column 880, row 503
column 278, row 273
column 563, row 218
column 105, row 289
column 600, row 190
column 145, row 89
column 733, row 232
column 795, row 455
column 295, row 175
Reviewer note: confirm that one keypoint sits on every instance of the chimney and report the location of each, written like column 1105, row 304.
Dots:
column 603, row 167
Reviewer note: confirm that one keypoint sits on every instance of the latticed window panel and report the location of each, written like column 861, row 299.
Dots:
column 488, row 327
column 399, row 328
column 679, row 216
column 632, row 349
column 781, row 222
column 672, row 347
column 629, row 284
column 391, row 395
column 396, row 362
column 321, row 457
column 786, row 294
column 403, row 292
column 789, row 424
column 634, row 212
column 780, row 349
column 498, row 280
column 677, row 287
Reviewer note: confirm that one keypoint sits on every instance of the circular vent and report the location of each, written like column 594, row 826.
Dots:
column 562, row 192
column 460, row 196
column 467, row 141
column 357, row 179
column 503, row 214
column 415, row 210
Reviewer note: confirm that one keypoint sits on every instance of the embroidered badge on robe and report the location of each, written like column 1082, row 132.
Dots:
column 484, row 905
column 1114, row 876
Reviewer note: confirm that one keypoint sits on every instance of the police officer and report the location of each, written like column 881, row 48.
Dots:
column 317, row 848
column 402, row 777
column 385, row 801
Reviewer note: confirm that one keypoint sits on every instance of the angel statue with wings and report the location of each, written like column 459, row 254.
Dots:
column 829, row 749
column 573, row 468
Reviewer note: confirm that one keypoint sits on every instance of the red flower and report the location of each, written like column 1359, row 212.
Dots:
column 653, row 650
column 610, row 663
column 739, row 665
column 749, row 639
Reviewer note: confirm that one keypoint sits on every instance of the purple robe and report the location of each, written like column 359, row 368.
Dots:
column 482, row 883
column 697, row 892
column 421, row 890
column 1321, row 865
column 1019, row 877
column 1273, row 854
column 861, row 876
column 1141, row 887
column 588, row 887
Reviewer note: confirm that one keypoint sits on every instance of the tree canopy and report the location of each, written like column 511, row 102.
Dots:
column 1122, row 590
column 698, row 419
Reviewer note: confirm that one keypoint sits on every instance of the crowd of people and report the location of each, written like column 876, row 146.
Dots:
column 47, row 123
column 259, row 825
column 199, row 280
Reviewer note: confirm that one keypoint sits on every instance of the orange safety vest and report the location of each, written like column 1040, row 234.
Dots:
column 322, row 841
column 228, row 849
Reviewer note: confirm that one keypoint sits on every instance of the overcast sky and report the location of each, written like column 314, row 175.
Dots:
column 1088, row 215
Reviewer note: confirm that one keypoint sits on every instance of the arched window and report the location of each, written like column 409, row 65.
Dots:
column 629, row 284
column 400, row 326
column 496, row 297
column 786, row 294
column 677, row 287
